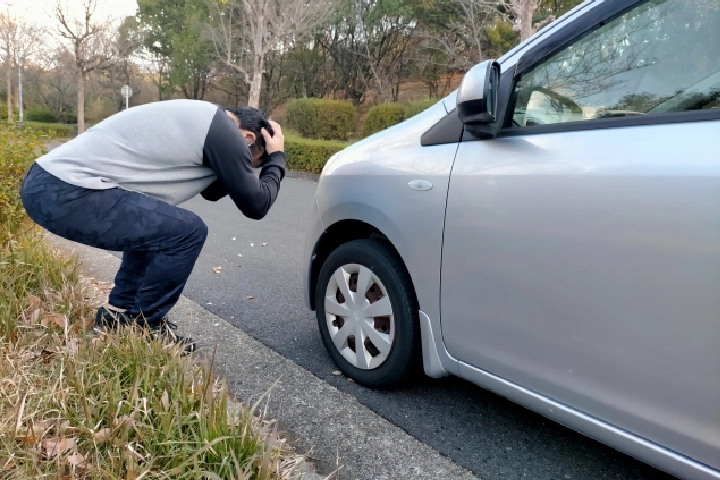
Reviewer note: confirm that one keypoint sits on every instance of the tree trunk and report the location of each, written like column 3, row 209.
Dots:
column 526, row 16
column 81, row 101
column 9, row 87
column 256, row 83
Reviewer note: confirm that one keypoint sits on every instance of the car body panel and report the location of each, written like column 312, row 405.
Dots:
column 314, row 232
column 369, row 182
column 585, row 266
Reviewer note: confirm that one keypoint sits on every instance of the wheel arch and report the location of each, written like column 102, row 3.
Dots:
column 337, row 234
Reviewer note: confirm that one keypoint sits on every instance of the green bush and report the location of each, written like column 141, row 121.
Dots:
column 383, row 116
column 17, row 151
column 419, row 106
column 322, row 118
column 54, row 130
column 3, row 113
column 310, row 156
column 40, row 115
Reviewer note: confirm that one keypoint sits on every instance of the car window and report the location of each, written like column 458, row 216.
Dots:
column 661, row 57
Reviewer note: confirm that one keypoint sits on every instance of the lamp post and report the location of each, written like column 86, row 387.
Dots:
column 20, row 92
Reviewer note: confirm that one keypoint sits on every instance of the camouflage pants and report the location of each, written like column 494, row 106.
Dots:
column 160, row 242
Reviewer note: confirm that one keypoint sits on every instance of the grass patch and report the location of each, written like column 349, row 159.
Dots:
column 119, row 406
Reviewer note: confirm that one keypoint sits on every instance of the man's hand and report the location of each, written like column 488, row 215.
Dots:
column 276, row 143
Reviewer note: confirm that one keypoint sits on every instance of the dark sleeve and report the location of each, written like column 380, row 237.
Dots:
column 227, row 153
column 214, row 192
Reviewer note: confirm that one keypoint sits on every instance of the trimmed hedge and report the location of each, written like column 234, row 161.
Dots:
column 304, row 155
column 383, row 116
column 42, row 115
column 322, row 118
column 419, row 106
column 54, row 130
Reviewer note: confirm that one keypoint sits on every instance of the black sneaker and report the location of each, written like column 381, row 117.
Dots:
column 108, row 319
column 166, row 333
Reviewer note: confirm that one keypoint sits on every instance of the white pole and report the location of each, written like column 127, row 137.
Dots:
column 127, row 100
column 20, row 92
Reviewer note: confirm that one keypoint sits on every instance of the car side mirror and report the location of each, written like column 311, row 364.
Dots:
column 477, row 96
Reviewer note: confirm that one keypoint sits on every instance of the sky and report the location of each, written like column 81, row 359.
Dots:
column 41, row 11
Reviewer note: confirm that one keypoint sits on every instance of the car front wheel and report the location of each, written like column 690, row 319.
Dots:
column 367, row 314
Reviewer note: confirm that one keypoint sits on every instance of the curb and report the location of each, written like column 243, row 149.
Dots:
column 313, row 177
column 334, row 427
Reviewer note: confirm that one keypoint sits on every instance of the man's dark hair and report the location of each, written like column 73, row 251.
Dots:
column 253, row 120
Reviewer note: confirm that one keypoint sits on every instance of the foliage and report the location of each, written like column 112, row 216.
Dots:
column 366, row 47
column 322, row 118
column 121, row 405
column 17, row 151
column 501, row 38
column 418, row 107
column 383, row 116
column 173, row 35
column 53, row 130
column 366, row 52
column 42, row 115
column 310, row 156
column 4, row 115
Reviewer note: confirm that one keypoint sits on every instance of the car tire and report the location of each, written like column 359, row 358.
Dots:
column 402, row 360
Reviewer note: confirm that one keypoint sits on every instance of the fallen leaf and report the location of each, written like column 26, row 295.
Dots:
column 35, row 315
column 262, row 245
column 102, row 435
column 351, row 380
column 9, row 466
column 77, row 460
column 337, row 372
column 165, row 400
column 46, row 356
column 127, row 421
column 27, row 439
column 54, row 446
column 33, row 302
column 217, row 269
column 87, row 322
column 250, row 297
column 55, row 319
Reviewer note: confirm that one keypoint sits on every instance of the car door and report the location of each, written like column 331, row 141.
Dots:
column 581, row 254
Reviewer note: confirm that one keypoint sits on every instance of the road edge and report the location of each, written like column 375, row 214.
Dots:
column 319, row 418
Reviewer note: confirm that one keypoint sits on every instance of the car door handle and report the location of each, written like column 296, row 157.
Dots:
column 420, row 185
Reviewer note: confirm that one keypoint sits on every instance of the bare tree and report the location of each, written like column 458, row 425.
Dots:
column 27, row 42
column 7, row 36
column 458, row 39
column 91, row 45
column 55, row 83
column 523, row 11
column 245, row 31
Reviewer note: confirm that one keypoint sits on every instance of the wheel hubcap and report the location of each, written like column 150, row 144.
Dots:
column 359, row 316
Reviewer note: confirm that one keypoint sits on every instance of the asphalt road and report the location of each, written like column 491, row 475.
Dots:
column 480, row 431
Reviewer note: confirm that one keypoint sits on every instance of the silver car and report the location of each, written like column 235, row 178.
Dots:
column 550, row 231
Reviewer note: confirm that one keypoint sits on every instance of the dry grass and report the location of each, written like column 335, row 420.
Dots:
column 120, row 406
